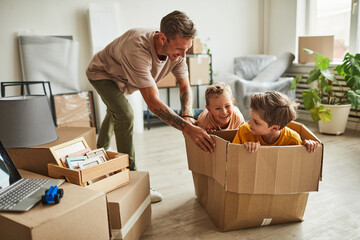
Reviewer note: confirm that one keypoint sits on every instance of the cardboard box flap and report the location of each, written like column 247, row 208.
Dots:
column 305, row 133
column 209, row 164
column 272, row 170
column 227, row 135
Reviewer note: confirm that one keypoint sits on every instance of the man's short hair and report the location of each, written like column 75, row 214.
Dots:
column 274, row 108
column 179, row 23
column 217, row 89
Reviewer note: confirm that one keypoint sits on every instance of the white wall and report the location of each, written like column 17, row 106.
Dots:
column 280, row 26
column 231, row 25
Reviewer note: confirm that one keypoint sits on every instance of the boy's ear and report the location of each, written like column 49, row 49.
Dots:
column 275, row 128
column 233, row 101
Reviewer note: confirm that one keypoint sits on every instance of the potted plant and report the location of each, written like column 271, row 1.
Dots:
column 328, row 107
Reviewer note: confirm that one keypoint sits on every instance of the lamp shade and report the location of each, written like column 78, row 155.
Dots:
column 26, row 121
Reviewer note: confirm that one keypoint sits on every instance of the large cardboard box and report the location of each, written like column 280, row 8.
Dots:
column 239, row 189
column 81, row 214
column 168, row 81
column 130, row 207
column 323, row 45
column 35, row 159
column 199, row 69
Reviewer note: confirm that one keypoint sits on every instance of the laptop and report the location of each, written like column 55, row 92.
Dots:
column 17, row 193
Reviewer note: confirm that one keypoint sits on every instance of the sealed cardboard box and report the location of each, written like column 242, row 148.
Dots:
column 238, row 182
column 196, row 47
column 168, row 81
column 323, row 45
column 199, row 69
column 81, row 214
column 130, row 207
column 35, row 159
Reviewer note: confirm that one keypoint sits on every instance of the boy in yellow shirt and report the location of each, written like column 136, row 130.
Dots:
column 270, row 113
column 220, row 112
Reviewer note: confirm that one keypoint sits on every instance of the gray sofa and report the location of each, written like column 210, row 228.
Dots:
column 259, row 73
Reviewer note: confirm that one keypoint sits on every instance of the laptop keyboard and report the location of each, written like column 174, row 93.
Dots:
column 18, row 193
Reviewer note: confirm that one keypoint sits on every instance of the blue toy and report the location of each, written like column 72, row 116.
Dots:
column 53, row 194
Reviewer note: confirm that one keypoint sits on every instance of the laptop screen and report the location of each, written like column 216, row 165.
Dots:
column 8, row 172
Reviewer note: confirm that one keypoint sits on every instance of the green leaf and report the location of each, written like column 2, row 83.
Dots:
column 340, row 70
column 310, row 98
column 324, row 114
column 314, row 113
column 322, row 62
column 328, row 75
column 308, row 51
column 354, row 98
column 295, row 81
column 353, row 82
column 313, row 76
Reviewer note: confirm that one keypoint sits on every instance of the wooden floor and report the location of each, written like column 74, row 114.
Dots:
column 331, row 213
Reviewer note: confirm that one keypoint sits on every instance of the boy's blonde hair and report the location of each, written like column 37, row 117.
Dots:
column 217, row 89
column 274, row 108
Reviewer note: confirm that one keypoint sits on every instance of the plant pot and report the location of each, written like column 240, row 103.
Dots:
column 340, row 115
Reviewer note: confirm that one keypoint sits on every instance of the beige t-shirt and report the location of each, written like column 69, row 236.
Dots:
column 131, row 61
column 207, row 121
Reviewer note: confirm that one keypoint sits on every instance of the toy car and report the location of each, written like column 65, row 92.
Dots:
column 53, row 194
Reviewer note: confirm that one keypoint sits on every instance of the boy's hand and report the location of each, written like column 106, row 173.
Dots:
column 310, row 145
column 252, row 146
column 211, row 130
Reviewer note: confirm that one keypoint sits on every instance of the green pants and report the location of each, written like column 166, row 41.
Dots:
column 119, row 119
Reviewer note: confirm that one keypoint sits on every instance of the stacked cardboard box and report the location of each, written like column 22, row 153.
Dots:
column 130, row 207
column 168, row 81
column 196, row 47
column 199, row 69
column 81, row 214
column 241, row 190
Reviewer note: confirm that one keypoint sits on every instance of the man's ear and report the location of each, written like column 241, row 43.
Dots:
column 162, row 38
column 207, row 108
column 275, row 128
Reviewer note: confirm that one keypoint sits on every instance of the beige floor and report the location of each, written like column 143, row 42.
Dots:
column 331, row 213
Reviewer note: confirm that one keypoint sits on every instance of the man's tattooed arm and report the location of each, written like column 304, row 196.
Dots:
column 186, row 98
column 170, row 117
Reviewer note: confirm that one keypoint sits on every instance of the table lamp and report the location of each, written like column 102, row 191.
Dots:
column 26, row 121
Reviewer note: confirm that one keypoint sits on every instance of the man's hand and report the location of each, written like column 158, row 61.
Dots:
column 190, row 120
column 310, row 145
column 252, row 146
column 200, row 137
column 197, row 134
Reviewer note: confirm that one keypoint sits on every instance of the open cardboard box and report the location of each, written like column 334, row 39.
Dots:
column 35, row 159
column 115, row 167
column 239, row 189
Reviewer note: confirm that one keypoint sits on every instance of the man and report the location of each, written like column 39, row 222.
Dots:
column 137, row 60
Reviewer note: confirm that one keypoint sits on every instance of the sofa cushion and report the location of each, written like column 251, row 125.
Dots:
column 248, row 67
column 275, row 69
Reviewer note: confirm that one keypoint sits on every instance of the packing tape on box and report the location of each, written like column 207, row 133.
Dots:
column 121, row 233
column 266, row 221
